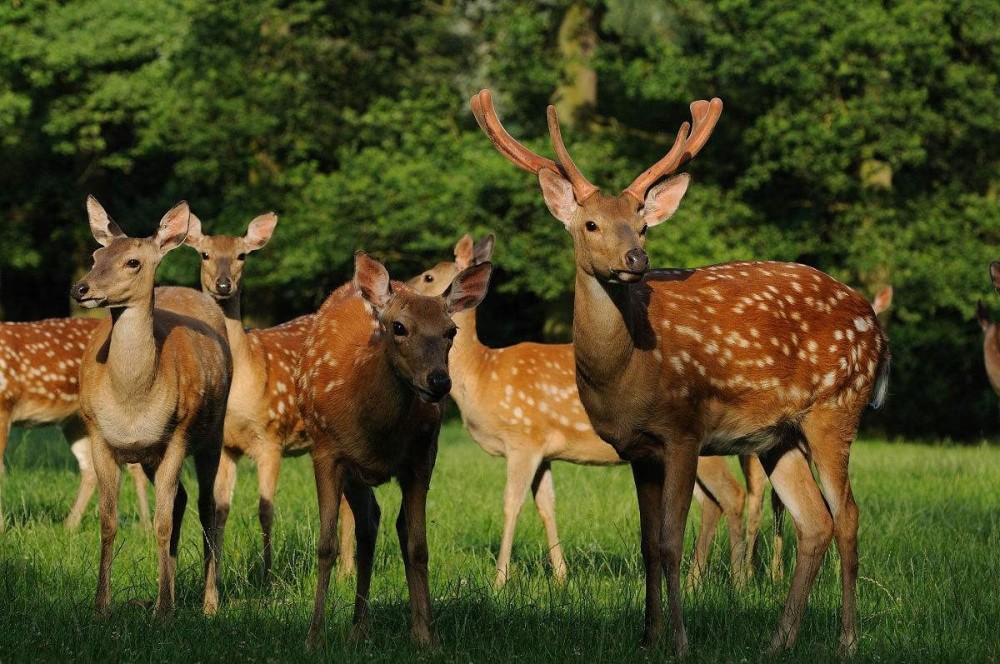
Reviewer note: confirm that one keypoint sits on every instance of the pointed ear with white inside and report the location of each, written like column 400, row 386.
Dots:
column 484, row 249
column 101, row 225
column 173, row 227
column 260, row 230
column 558, row 195
column 468, row 288
column 995, row 275
column 463, row 252
column 883, row 300
column 664, row 199
column 194, row 235
column 372, row 280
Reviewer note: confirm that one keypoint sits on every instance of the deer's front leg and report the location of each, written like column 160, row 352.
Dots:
column 411, row 527
column 108, row 477
column 679, row 470
column 329, row 487
column 168, row 510
column 648, row 477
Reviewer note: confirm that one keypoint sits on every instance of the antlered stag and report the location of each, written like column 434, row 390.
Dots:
column 153, row 388
column 39, row 385
column 775, row 359
column 375, row 367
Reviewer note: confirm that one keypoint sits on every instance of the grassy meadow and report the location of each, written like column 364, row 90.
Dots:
column 928, row 587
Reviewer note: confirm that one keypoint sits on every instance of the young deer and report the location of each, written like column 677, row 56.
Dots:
column 153, row 387
column 368, row 387
column 774, row 359
column 39, row 385
column 522, row 403
column 262, row 420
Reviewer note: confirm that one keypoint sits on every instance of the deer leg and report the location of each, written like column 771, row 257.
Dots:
column 648, row 477
column 329, row 486
column 108, row 478
column 710, row 513
column 142, row 499
column 225, row 483
column 411, row 528
column 521, row 469
column 4, row 437
column 346, row 562
column 755, row 478
column 792, row 480
column 778, row 554
column 206, row 466
column 545, row 500
column 831, row 445
column 361, row 500
column 171, row 499
column 268, row 467
column 679, row 471
column 88, row 482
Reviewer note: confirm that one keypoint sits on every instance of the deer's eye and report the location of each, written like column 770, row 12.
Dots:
column 428, row 278
column 241, row 257
column 591, row 226
column 450, row 334
column 642, row 231
column 399, row 329
column 132, row 263
column 204, row 256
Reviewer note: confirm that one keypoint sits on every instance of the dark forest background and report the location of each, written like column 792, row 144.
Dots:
column 858, row 137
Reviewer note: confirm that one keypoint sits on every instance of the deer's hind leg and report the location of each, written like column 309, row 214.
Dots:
column 206, row 464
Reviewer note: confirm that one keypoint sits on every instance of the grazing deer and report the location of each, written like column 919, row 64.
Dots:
column 153, row 387
column 262, row 420
column 368, row 387
column 767, row 358
column 522, row 403
column 39, row 374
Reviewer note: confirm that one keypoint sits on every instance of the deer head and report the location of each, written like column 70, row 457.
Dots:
column 608, row 231
column 995, row 275
column 223, row 257
column 435, row 280
column 124, row 267
column 417, row 330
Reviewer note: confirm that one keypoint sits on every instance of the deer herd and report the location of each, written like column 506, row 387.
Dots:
column 670, row 370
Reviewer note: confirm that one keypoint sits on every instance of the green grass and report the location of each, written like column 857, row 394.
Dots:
column 930, row 570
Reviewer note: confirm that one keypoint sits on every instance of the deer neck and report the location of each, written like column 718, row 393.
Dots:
column 467, row 359
column 133, row 354
column 239, row 342
column 604, row 329
column 382, row 385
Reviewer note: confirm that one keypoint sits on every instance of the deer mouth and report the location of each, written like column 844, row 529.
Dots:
column 91, row 302
column 427, row 396
column 626, row 276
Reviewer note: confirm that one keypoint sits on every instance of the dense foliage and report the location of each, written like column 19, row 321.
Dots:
column 860, row 138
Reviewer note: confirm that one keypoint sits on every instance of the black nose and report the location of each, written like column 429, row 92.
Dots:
column 79, row 290
column 636, row 260
column 439, row 383
column 224, row 286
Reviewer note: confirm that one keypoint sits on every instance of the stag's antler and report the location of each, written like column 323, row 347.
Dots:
column 705, row 115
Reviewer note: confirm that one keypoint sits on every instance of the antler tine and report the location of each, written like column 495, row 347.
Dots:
column 517, row 154
column 582, row 188
column 705, row 115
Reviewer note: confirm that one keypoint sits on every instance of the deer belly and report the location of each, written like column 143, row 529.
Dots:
column 126, row 431
column 40, row 411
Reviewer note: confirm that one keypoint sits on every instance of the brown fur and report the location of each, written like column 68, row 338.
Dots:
column 39, row 385
column 376, row 355
column 153, row 388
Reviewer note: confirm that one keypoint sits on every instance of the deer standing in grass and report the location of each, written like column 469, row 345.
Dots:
column 522, row 403
column 153, row 387
column 767, row 358
column 262, row 419
column 39, row 385
column 369, row 384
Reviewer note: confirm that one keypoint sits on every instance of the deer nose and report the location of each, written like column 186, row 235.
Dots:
column 79, row 290
column 636, row 260
column 224, row 286
column 439, row 383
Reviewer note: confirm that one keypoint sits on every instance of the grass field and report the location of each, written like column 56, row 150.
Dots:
column 928, row 588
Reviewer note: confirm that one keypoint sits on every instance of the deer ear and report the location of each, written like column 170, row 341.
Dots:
column 260, row 230
column 883, row 300
column 194, row 235
column 995, row 275
column 558, row 195
column 173, row 227
column 463, row 252
column 484, row 249
column 468, row 288
column 663, row 199
column 101, row 225
column 372, row 280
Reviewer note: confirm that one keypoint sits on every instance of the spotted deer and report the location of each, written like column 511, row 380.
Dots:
column 369, row 384
column 262, row 419
column 767, row 358
column 521, row 402
column 153, row 387
column 39, row 374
